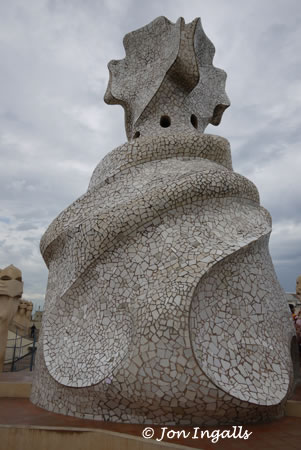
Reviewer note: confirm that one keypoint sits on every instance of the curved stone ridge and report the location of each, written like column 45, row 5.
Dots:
column 184, row 145
column 110, row 205
column 238, row 340
column 107, row 215
column 170, row 65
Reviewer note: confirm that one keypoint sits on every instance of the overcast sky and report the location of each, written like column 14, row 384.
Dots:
column 55, row 127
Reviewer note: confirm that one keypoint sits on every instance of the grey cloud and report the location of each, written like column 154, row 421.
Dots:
column 54, row 126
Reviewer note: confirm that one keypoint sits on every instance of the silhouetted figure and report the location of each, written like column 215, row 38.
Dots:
column 33, row 331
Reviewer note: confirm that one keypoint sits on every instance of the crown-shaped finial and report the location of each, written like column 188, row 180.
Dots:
column 167, row 83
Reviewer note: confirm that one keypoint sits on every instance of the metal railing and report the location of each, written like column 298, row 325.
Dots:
column 20, row 353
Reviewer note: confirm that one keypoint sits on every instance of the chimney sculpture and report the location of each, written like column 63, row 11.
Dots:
column 11, row 289
column 162, row 303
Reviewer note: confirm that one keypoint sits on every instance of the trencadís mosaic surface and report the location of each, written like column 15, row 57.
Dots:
column 162, row 303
